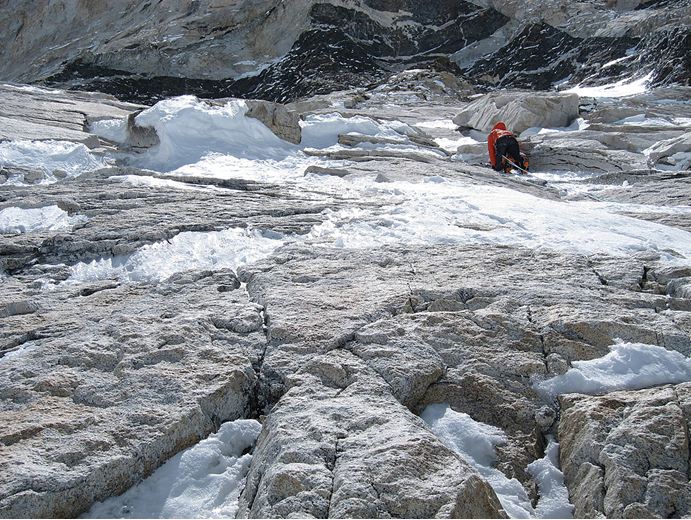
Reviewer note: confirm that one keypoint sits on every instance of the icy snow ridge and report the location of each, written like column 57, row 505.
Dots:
column 14, row 220
column 629, row 366
column 204, row 481
column 474, row 441
column 227, row 249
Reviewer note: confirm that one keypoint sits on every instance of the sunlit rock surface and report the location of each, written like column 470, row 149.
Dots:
column 331, row 268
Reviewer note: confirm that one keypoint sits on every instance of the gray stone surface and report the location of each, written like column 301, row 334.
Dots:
column 519, row 111
column 626, row 454
column 38, row 114
column 337, row 350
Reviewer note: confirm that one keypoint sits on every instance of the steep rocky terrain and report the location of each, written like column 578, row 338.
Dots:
column 336, row 288
column 307, row 295
column 283, row 50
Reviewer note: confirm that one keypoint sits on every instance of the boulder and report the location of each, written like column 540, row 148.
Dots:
column 519, row 110
column 664, row 149
column 626, row 454
column 283, row 122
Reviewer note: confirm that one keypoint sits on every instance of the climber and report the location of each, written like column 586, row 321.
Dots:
column 503, row 149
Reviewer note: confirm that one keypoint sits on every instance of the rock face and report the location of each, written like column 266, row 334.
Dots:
column 282, row 51
column 24, row 110
column 335, row 306
column 626, row 454
column 519, row 112
column 355, row 451
column 128, row 388
column 282, row 122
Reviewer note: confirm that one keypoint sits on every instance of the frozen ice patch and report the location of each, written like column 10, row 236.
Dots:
column 452, row 213
column 54, row 158
column 227, row 249
column 628, row 366
column 204, row 481
column 15, row 220
column 553, row 501
column 475, row 442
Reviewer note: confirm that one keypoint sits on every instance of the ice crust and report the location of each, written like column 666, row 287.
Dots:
column 628, row 366
column 475, row 442
column 14, row 220
column 204, row 481
column 227, row 249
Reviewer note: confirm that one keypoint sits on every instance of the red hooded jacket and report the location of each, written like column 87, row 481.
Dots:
column 498, row 131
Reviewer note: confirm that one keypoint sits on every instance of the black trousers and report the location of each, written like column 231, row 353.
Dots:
column 507, row 146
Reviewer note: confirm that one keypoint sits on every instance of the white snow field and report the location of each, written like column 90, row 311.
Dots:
column 204, row 481
column 62, row 157
column 474, row 441
column 628, row 366
column 14, row 220
column 227, row 249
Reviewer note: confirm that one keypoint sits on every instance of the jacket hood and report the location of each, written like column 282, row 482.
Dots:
column 499, row 126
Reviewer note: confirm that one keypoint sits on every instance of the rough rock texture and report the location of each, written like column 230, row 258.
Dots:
column 338, row 348
column 339, row 445
column 130, row 375
column 34, row 114
column 282, row 122
column 626, row 454
column 519, row 111
column 284, row 50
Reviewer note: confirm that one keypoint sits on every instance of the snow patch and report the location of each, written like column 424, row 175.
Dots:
column 553, row 501
column 474, row 441
column 189, row 130
column 204, row 481
column 623, row 88
column 227, row 249
column 50, row 157
column 111, row 129
column 15, row 221
column 439, row 123
column 628, row 366
column 452, row 213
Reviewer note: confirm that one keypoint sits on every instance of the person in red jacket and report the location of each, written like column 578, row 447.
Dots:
column 501, row 143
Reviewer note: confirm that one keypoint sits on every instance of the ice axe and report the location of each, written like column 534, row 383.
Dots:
column 514, row 164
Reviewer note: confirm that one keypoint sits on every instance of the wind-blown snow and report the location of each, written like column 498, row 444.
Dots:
column 204, row 481
column 227, row 249
column 220, row 141
column 48, row 156
column 553, row 501
column 628, row 366
column 15, row 220
column 475, row 441
column 623, row 88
